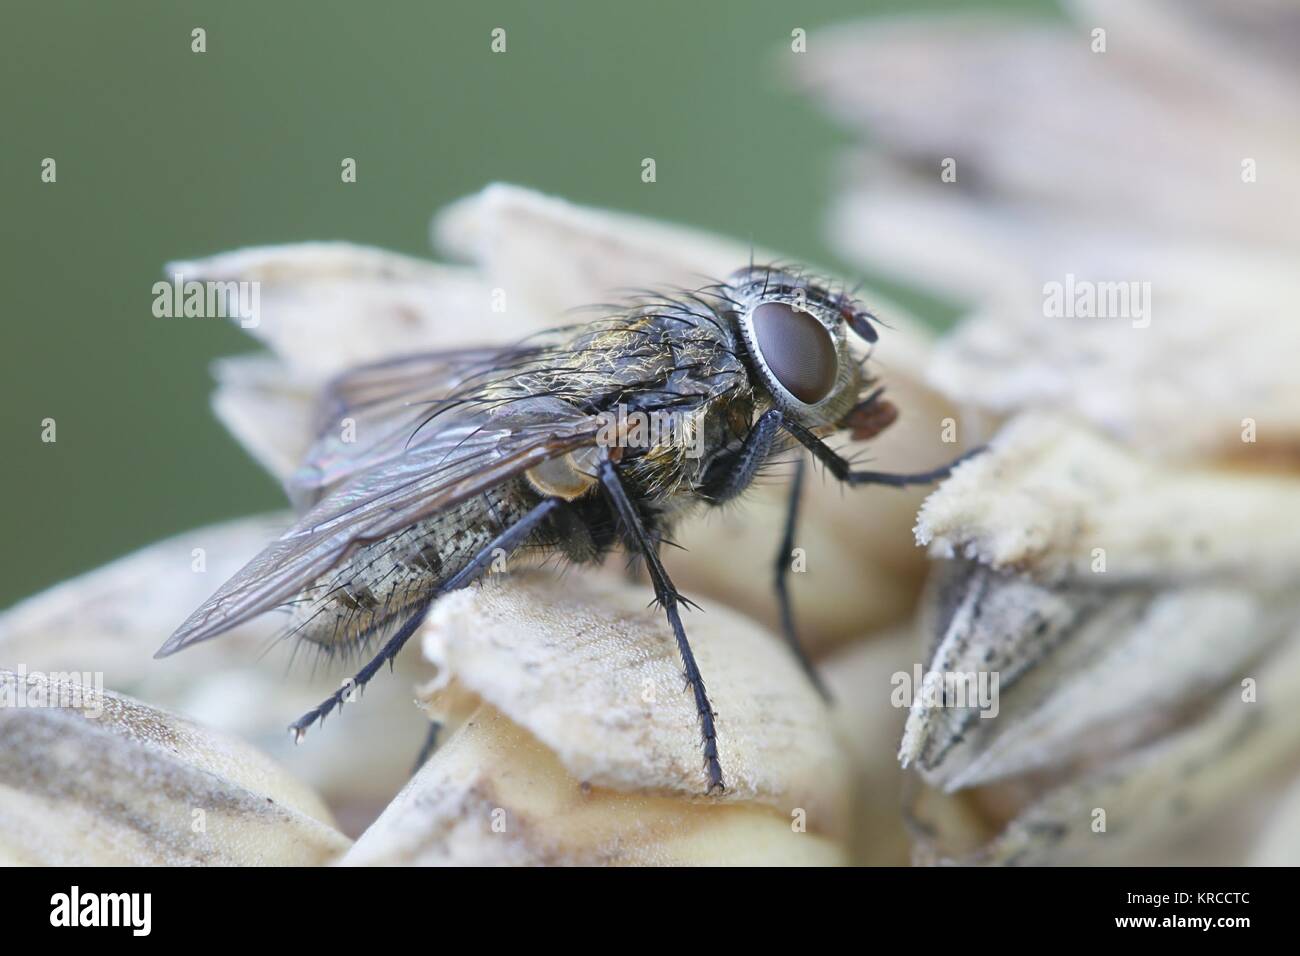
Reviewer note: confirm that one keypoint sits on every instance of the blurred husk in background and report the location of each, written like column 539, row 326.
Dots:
column 1125, row 556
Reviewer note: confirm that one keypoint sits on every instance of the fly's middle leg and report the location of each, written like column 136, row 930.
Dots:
column 640, row 539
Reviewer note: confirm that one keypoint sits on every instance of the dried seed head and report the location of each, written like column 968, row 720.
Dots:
column 93, row 777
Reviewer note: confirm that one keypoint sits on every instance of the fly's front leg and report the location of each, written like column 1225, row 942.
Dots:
column 667, row 596
column 507, row 541
column 844, row 471
column 757, row 446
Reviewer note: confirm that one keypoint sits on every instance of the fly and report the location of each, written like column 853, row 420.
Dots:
column 571, row 443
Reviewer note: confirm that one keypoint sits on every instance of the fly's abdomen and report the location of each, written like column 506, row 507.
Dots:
column 381, row 584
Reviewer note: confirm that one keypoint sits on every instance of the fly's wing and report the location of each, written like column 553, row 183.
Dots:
column 377, row 412
column 470, row 449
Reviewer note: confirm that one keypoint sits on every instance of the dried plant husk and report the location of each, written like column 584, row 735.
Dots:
column 572, row 740
column 1122, row 601
column 91, row 777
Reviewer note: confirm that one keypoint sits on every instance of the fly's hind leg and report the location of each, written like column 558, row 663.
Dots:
column 667, row 595
column 507, row 541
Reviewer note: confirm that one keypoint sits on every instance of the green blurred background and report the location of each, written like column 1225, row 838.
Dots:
column 163, row 153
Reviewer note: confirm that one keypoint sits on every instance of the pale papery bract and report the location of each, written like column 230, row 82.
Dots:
column 1125, row 562
column 569, row 740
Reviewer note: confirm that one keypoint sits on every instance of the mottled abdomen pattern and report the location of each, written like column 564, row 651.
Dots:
column 374, row 590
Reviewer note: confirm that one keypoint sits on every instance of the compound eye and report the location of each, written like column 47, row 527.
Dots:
column 797, row 349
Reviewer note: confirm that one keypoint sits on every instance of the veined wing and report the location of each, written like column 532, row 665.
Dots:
column 377, row 412
column 467, row 453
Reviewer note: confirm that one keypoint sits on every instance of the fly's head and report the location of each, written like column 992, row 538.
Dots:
column 795, row 332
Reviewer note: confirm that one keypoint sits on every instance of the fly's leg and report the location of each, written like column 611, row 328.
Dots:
column 782, row 569
column 755, row 450
column 667, row 596
column 362, row 677
column 757, row 446
column 507, row 541
column 844, row 471
column 633, row 570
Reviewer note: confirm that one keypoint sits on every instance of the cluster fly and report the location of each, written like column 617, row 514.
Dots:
column 462, row 456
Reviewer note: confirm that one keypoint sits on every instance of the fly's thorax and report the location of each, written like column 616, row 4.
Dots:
column 668, row 472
